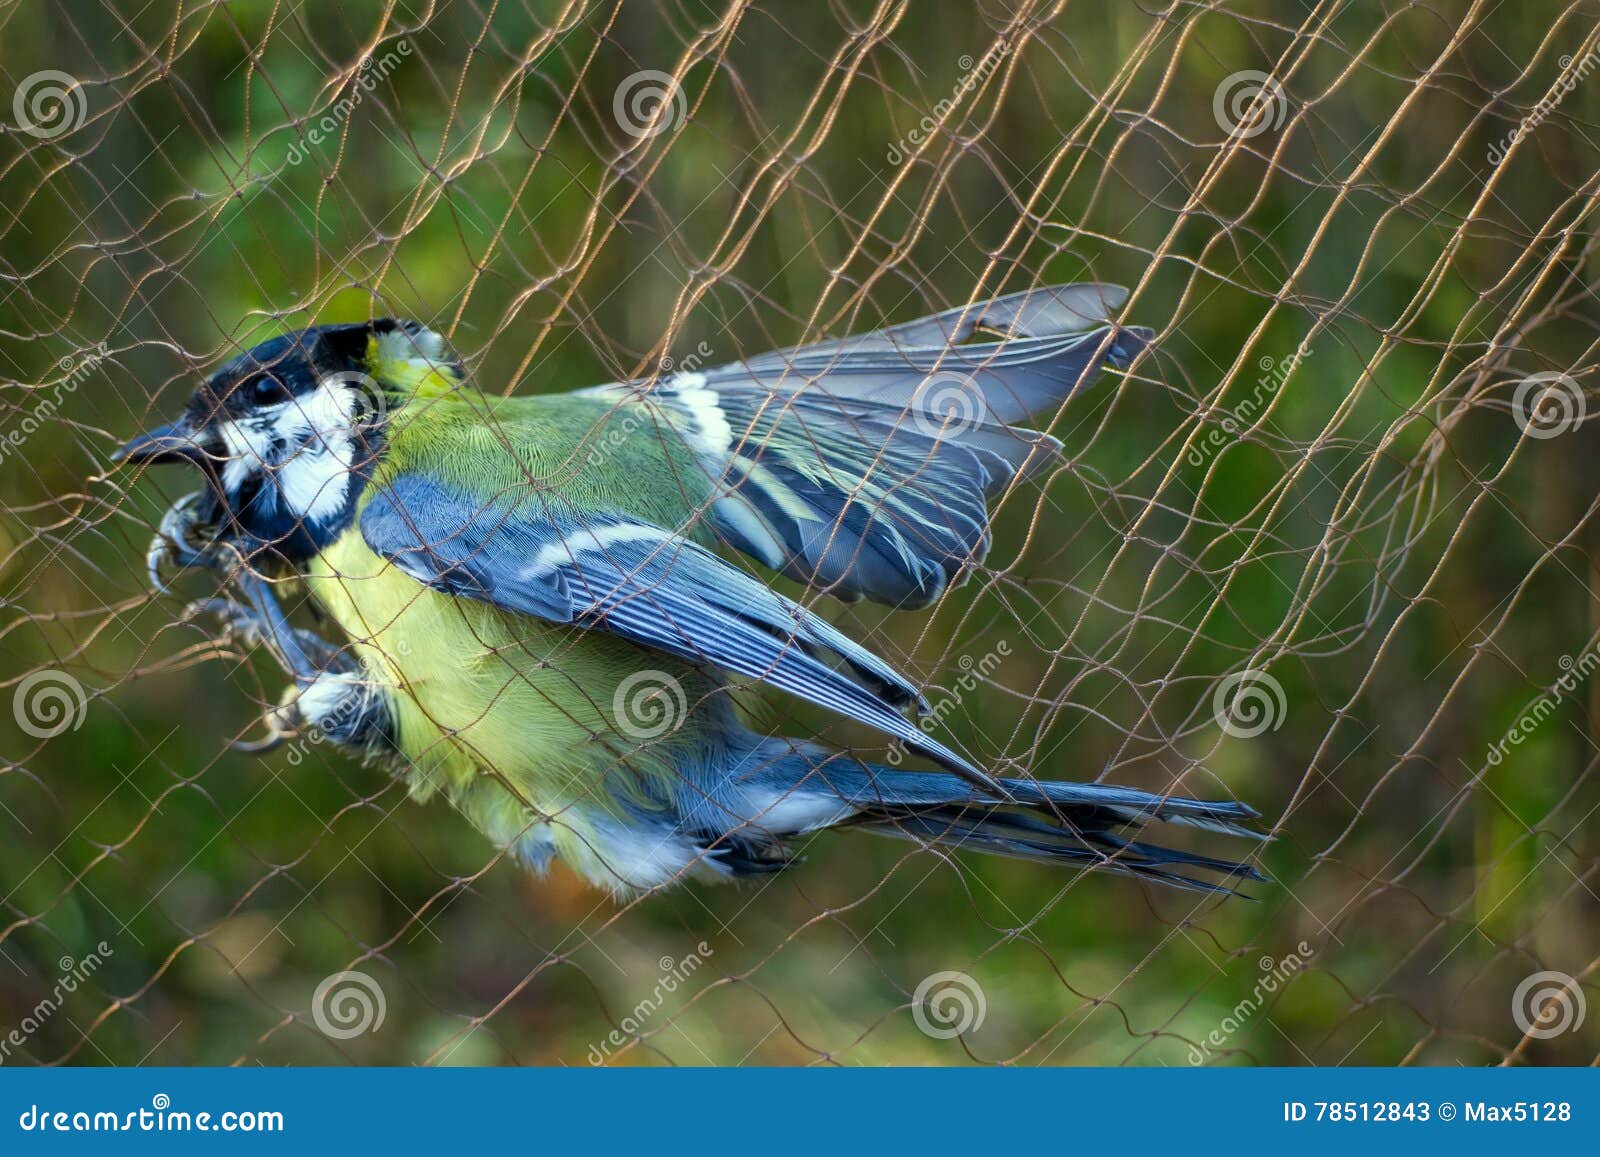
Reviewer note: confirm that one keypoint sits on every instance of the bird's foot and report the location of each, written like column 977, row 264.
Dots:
column 249, row 626
column 186, row 538
column 340, row 705
column 281, row 724
column 330, row 696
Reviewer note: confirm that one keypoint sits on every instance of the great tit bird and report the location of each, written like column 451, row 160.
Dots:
column 538, row 617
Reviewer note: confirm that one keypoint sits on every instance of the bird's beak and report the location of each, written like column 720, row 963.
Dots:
column 178, row 442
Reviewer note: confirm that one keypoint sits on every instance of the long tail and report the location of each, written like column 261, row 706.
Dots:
column 1079, row 825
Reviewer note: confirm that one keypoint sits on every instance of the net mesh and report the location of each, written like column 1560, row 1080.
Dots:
column 1328, row 547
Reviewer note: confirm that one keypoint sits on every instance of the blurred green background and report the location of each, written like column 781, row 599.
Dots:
column 1365, row 525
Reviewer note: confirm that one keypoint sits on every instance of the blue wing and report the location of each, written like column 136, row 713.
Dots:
column 861, row 466
column 531, row 554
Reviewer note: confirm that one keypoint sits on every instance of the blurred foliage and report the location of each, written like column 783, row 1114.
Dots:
column 1380, row 540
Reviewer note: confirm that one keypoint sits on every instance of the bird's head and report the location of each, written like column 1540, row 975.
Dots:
column 287, row 432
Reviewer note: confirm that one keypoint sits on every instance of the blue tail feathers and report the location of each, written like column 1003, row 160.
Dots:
column 1078, row 825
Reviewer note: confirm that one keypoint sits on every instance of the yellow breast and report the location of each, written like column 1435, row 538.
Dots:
column 475, row 690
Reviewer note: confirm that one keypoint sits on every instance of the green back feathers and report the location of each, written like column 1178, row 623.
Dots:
column 594, row 454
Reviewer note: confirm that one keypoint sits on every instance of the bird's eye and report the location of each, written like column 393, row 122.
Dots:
column 267, row 389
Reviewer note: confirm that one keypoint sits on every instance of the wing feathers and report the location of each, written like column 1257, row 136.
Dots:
column 648, row 585
column 861, row 466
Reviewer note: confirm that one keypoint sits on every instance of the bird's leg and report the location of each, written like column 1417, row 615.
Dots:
column 331, row 696
column 260, row 621
column 244, row 623
column 330, row 693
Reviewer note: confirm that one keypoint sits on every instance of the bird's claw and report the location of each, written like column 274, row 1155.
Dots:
column 186, row 539
column 282, row 724
column 238, row 621
column 183, row 540
column 256, row 618
column 313, row 655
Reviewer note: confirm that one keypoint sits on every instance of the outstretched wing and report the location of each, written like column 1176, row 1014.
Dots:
column 861, row 466
column 528, row 553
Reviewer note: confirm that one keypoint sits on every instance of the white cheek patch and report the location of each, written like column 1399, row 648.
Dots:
column 306, row 443
column 315, row 485
column 249, row 449
column 322, row 420
column 315, row 480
